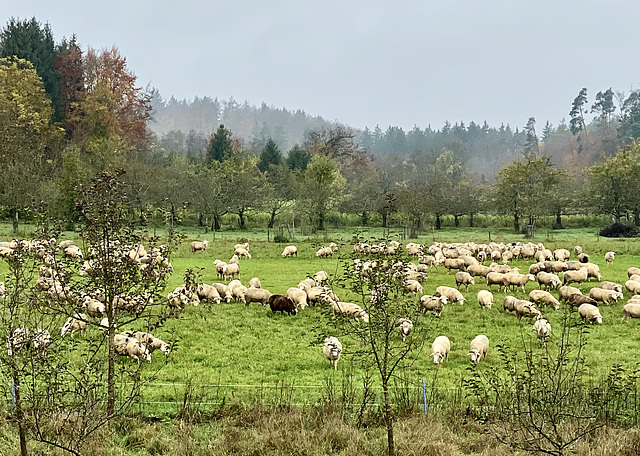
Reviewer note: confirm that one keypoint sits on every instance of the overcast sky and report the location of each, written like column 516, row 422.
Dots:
column 367, row 63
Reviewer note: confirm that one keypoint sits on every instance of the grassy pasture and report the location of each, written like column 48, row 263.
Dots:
column 256, row 355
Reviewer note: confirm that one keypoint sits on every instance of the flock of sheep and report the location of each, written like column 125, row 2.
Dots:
column 89, row 305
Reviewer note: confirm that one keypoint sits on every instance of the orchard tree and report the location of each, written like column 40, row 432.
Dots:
column 320, row 189
column 614, row 187
column 29, row 141
column 279, row 191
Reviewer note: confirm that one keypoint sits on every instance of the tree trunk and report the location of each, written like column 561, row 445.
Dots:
column 384, row 220
column 241, row 220
column 200, row 219
column 15, row 221
column 19, row 414
column 456, row 222
column 516, row 222
column 559, row 220
column 636, row 216
column 111, row 382
column 365, row 218
column 320, row 221
column 471, row 219
column 438, row 222
column 272, row 219
column 216, row 223
column 388, row 418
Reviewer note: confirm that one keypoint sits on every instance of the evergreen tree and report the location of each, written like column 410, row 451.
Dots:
column 220, row 145
column 32, row 41
column 270, row 155
column 298, row 158
column 577, row 123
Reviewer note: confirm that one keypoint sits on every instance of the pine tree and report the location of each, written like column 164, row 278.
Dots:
column 270, row 155
column 220, row 145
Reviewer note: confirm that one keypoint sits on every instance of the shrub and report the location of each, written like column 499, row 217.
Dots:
column 280, row 239
column 618, row 229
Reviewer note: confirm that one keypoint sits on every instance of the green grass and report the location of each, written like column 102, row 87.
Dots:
column 263, row 356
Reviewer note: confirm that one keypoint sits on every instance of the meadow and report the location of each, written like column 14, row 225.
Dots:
column 231, row 353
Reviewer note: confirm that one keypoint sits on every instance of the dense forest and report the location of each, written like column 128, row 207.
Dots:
column 68, row 114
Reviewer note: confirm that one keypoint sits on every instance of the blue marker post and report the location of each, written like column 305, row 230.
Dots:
column 424, row 396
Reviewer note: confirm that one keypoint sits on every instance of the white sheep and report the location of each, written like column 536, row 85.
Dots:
column 208, row 292
column 289, row 251
column 565, row 291
column 633, row 271
column 76, row 322
column 542, row 328
column 452, row 294
column 332, row 350
column 242, row 253
column 235, row 259
column 524, row 308
column 254, row 283
column 223, row 291
column 150, row 341
column 349, row 309
column 590, row 313
column 485, row 299
column 306, row 284
column 3, row 291
column 578, row 276
column 413, row 286
column 606, row 285
column 321, row 278
column 219, row 267
column 298, row 296
column 464, row 278
column 73, row 251
column 131, row 347
column 631, row 310
column 241, row 246
column 632, row 286
column 609, row 257
column 605, row 296
column 548, row 280
column 252, row 294
column 519, row 280
column 440, row 349
column 231, row 271
column 197, row 246
column 433, row 304
column 405, row 326
column 478, row 348
column 324, row 252
column 544, row 297
column 509, row 303
column 94, row 307
column 237, row 289
column 495, row 278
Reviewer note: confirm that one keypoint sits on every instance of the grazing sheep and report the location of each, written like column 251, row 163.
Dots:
column 320, row 278
column 219, row 264
column 433, row 304
column 454, row 263
column 298, row 296
column 451, row 294
column 413, row 286
column 306, row 284
column 289, row 251
column 197, row 246
column 234, row 260
column 464, row 278
column 593, row 270
column 590, row 313
column 577, row 299
column 131, row 347
column 324, row 252
column 405, row 326
column 542, row 328
column 349, row 309
column 605, row 285
column 440, row 349
column 223, row 291
column 495, row 278
column 478, row 348
column 518, row 280
column 609, row 257
column 19, row 338
column 561, row 254
column 565, row 291
column 414, row 249
column 319, row 295
column 231, row 271
column 583, row 258
column 103, row 326
column 631, row 310
column 632, row 286
column 577, row 250
column 485, row 298
column 208, row 292
column 578, row 276
column 332, row 350
column 242, row 253
column 633, row 271
column 254, row 283
column 479, row 270
column 76, row 322
column 605, row 296
column 544, row 297
column 256, row 295
column 236, row 288
column 281, row 303
column 524, row 308
column 151, row 342
column 95, row 308
column 509, row 303
column 548, row 280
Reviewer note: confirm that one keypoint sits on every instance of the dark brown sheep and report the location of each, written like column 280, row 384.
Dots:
column 281, row 303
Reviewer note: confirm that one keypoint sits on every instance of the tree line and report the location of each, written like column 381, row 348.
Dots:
column 68, row 114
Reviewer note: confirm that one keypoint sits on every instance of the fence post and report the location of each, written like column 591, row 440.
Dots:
column 424, row 396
